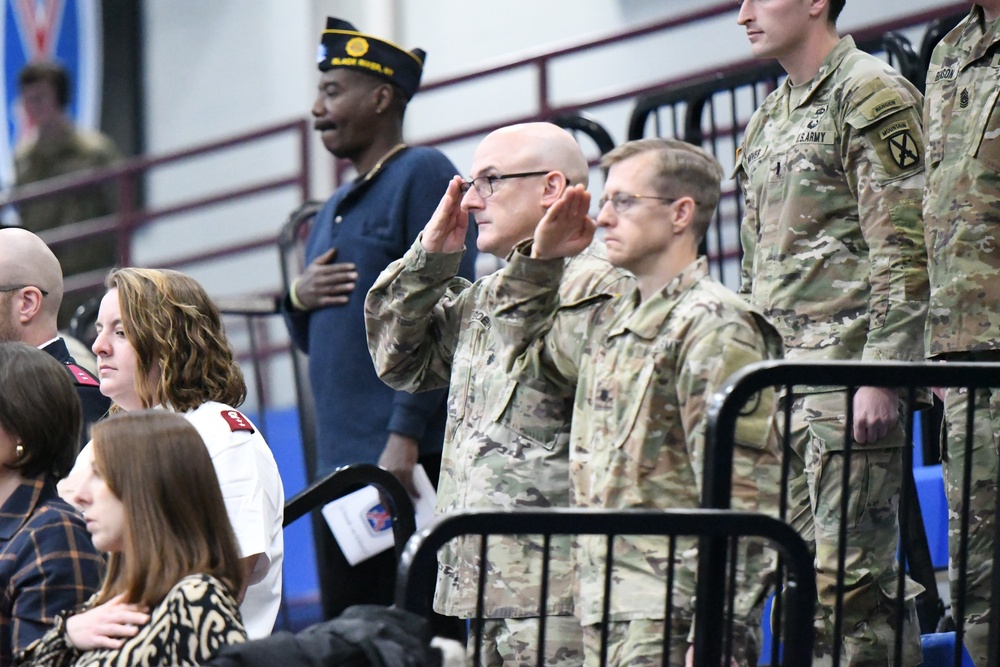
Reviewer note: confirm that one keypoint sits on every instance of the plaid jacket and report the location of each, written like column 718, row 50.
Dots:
column 47, row 563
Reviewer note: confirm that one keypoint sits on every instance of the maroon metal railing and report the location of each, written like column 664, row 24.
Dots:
column 129, row 175
column 543, row 63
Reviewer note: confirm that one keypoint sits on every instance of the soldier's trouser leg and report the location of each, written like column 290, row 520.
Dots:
column 513, row 642
column 639, row 643
column 869, row 620
column 635, row 643
column 981, row 509
column 798, row 513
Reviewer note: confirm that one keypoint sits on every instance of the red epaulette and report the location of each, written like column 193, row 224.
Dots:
column 236, row 421
column 82, row 376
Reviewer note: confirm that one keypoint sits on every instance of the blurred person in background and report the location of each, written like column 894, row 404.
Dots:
column 58, row 147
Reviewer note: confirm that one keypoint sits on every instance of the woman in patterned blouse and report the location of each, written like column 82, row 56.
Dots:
column 47, row 561
column 152, row 500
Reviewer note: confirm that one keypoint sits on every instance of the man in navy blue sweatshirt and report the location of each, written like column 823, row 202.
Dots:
column 365, row 85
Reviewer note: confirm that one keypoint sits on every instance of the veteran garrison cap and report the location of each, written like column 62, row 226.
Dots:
column 343, row 46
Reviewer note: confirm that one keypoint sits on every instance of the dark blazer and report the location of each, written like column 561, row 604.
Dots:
column 88, row 388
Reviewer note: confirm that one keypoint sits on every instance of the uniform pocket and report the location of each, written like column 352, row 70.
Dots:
column 540, row 418
column 635, row 406
column 986, row 149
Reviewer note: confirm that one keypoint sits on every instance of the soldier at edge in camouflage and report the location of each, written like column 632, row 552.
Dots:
column 963, row 188
column 831, row 171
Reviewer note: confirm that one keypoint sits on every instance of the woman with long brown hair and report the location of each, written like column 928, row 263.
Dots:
column 47, row 562
column 152, row 501
column 161, row 343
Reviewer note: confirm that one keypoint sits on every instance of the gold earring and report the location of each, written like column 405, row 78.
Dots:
column 19, row 450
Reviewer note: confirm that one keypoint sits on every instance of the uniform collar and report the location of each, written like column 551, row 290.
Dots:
column 979, row 32
column 646, row 319
column 21, row 505
column 826, row 70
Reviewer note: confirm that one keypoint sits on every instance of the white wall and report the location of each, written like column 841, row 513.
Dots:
column 219, row 68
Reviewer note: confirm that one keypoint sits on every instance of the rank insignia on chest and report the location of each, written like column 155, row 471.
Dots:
column 603, row 399
column 963, row 98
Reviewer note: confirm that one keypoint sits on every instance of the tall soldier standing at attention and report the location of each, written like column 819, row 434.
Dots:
column 963, row 189
column 365, row 85
column 831, row 170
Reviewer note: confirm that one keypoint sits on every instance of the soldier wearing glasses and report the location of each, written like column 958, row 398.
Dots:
column 506, row 444
column 642, row 366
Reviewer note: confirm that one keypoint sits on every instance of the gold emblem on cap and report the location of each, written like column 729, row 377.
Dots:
column 356, row 46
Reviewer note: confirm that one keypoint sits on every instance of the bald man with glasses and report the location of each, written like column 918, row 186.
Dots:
column 31, row 292
column 643, row 367
column 506, row 443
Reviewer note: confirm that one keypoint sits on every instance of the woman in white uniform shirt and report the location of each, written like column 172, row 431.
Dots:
column 161, row 343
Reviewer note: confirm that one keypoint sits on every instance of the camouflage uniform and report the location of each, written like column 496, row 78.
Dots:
column 963, row 190
column 77, row 151
column 506, row 444
column 832, row 176
column 643, row 373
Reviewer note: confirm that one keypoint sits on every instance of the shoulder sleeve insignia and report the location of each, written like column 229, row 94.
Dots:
column 81, row 376
column 236, row 421
column 903, row 149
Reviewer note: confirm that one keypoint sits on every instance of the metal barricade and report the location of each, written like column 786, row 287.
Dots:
column 339, row 483
column 416, row 576
column 910, row 379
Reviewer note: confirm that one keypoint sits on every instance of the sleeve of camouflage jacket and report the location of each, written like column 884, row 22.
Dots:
column 883, row 157
column 748, row 228
column 413, row 319
column 704, row 365
column 525, row 319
